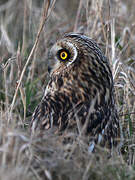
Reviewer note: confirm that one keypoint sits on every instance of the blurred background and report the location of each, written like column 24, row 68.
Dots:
column 111, row 23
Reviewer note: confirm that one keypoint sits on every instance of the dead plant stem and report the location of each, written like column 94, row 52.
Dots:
column 45, row 15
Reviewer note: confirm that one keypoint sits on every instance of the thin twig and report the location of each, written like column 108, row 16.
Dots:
column 124, row 114
column 78, row 15
column 45, row 15
column 9, row 61
column 24, row 45
column 99, row 7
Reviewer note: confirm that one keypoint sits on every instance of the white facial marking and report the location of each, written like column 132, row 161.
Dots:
column 74, row 52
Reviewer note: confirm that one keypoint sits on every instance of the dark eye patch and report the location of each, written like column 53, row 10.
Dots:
column 63, row 55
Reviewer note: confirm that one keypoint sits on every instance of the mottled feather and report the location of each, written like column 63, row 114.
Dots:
column 80, row 89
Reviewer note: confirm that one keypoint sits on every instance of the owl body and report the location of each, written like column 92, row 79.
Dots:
column 80, row 93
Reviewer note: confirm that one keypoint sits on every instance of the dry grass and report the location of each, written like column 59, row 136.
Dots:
column 28, row 28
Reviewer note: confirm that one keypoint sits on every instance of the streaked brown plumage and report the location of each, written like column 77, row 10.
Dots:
column 80, row 92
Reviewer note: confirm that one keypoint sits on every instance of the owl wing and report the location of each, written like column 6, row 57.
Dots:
column 43, row 115
column 52, row 110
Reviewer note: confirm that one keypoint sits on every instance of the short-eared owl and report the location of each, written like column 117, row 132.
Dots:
column 80, row 93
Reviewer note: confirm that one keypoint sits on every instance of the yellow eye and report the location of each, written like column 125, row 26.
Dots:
column 63, row 55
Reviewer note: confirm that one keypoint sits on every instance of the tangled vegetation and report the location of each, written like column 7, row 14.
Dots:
column 28, row 29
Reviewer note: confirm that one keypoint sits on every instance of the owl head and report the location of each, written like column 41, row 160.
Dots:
column 70, row 50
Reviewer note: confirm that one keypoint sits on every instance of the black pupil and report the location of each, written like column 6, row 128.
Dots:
column 63, row 54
